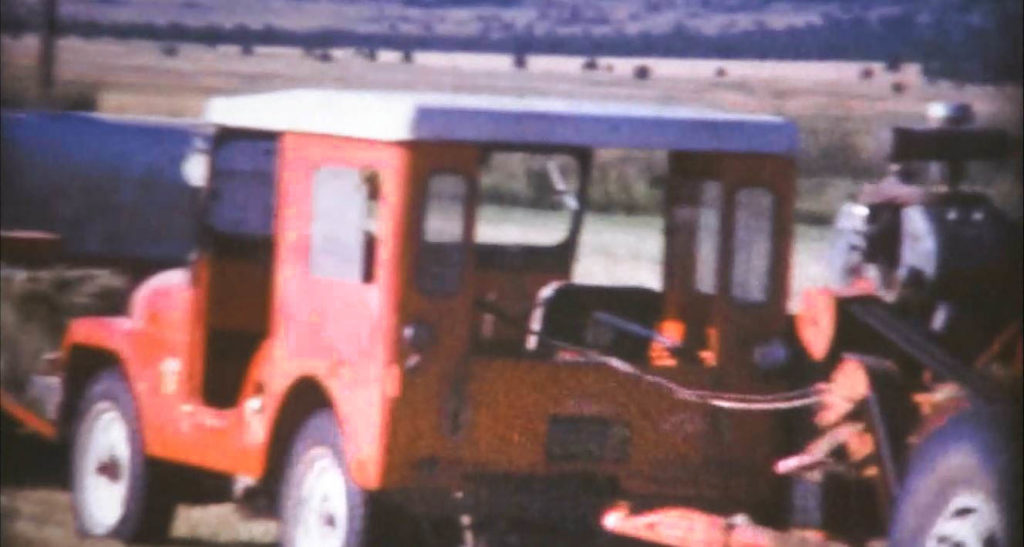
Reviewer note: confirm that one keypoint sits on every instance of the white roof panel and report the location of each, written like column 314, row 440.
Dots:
column 408, row 116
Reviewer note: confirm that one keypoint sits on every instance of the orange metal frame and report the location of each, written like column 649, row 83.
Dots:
column 460, row 410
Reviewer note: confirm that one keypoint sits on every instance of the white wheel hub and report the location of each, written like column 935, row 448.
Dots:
column 970, row 519
column 322, row 513
column 103, row 460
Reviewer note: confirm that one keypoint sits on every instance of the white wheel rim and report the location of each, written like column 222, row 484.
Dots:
column 970, row 519
column 103, row 449
column 322, row 517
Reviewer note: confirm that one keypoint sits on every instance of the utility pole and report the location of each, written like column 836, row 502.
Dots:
column 47, row 48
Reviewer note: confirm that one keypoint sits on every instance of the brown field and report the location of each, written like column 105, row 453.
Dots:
column 844, row 123
column 844, row 120
column 134, row 77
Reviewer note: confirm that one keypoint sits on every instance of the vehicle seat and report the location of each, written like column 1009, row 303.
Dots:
column 563, row 312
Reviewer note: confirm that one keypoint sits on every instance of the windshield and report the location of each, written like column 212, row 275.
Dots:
column 527, row 199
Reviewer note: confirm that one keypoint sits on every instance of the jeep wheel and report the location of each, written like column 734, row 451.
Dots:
column 111, row 480
column 321, row 506
column 962, row 488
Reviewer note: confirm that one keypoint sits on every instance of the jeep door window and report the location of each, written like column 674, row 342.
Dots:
column 343, row 225
column 709, row 220
column 752, row 245
column 442, row 249
column 527, row 199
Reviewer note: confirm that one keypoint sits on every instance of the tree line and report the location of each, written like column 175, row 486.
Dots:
column 983, row 48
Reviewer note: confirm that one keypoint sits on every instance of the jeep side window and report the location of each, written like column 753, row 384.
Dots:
column 343, row 225
column 709, row 219
column 752, row 245
column 442, row 249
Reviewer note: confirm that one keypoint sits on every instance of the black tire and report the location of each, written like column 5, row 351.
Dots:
column 316, row 460
column 963, row 481
column 146, row 511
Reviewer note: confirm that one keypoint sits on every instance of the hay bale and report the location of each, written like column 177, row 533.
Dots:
column 169, row 49
column 867, row 73
column 720, row 72
column 368, row 53
column 36, row 305
column 641, row 72
column 590, row 64
column 519, row 60
column 898, row 88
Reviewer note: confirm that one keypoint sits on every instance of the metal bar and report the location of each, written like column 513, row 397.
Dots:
column 634, row 329
column 999, row 344
column 917, row 345
column 884, row 451
column 47, row 38
column 27, row 417
column 950, row 144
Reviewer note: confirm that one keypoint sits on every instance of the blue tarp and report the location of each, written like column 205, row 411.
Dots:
column 111, row 188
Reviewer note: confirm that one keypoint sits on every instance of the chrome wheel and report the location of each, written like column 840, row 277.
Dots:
column 322, row 517
column 102, row 464
column 320, row 505
column 970, row 519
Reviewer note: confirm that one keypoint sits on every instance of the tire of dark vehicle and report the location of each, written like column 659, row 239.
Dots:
column 115, row 489
column 320, row 505
column 963, row 486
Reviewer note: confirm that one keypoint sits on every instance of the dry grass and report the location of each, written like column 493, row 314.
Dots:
column 42, row 517
column 35, row 307
column 844, row 120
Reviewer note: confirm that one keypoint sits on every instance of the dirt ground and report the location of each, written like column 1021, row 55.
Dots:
column 35, row 506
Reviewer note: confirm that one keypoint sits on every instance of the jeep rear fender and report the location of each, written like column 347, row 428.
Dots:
column 361, row 402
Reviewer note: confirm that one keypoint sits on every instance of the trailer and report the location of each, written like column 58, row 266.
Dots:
column 95, row 189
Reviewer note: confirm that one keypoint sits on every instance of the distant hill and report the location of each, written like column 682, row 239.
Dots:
column 968, row 40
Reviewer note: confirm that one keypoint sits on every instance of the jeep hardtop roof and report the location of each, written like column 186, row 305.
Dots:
column 398, row 116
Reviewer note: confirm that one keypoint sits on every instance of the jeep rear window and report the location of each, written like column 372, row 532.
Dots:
column 752, row 245
column 709, row 219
